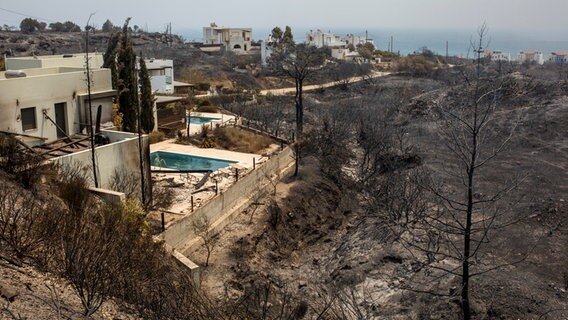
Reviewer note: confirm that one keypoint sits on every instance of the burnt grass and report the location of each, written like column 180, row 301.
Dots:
column 321, row 238
column 538, row 150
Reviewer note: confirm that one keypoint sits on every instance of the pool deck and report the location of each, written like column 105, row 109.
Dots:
column 196, row 128
column 244, row 159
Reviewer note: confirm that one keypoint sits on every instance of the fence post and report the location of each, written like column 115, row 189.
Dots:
column 236, row 174
column 253, row 163
column 163, row 221
column 191, row 203
column 216, row 187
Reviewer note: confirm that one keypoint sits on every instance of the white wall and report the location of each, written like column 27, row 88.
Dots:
column 121, row 154
column 161, row 75
column 265, row 52
column 42, row 89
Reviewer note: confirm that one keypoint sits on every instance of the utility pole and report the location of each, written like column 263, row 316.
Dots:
column 142, row 184
column 91, row 133
column 392, row 44
column 447, row 45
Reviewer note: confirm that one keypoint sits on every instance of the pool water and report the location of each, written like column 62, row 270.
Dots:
column 202, row 120
column 178, row 161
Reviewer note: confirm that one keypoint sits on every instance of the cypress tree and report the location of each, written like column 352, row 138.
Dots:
column 128, row 83
column 146, row 98
column 110, row 57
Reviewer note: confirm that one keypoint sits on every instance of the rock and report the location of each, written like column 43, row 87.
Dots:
column 8, row 292
column 302, row 284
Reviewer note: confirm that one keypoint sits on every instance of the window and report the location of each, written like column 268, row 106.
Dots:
column 28, row 118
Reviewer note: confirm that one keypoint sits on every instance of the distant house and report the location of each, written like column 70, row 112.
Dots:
column 356, row 40
column 497, row 55
column 558, row 57
column 346, row 54
column 237, row 40
column 320, row 39
column 161, row 73
column 47, row 104
column 266, row 50
column 531, row 57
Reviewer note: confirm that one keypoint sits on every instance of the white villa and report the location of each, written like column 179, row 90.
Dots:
column 161, row 73
column 266, row 50
column 237, row 40
column 498, row 55
column 47, row 109
column 321, row 39
column 558, row 57
column 531, row 56
column 357, row 40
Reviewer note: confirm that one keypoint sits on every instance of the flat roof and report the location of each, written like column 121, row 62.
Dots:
column 182, row 84
column 55, row 56
column 36, row 72
column 167, row 99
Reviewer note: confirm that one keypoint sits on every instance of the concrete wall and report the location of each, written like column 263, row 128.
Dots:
column 163, row 83
column 184, row 262
column 42, row 89
column 121, row 154
column 218, row 211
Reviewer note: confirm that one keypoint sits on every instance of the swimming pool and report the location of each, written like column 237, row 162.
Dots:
column 179, row 161
column 202, row 120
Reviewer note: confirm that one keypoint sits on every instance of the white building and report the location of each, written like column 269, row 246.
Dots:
column 357, row 40
column 531, row 56
column 497, row 55
column 161, row 73
column 558, row 57
column 47, row 108
column 237, row 40
column 46, row 104
column 266, row 50
column 321, row 39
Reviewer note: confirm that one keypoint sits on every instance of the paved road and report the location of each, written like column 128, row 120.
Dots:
column 284, row 91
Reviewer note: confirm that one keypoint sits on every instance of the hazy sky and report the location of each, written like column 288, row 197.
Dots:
column 540, row 16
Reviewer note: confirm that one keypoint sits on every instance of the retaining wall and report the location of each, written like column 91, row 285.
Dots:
column 121, row 154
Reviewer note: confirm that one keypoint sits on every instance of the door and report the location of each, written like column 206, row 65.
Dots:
column 61, row 119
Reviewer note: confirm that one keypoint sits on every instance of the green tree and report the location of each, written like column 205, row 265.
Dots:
column 283, row 39
column 146, row 98
column 366, row 50
column 29, row 25
column 107, row 26
column 128, row 83
column 67, row 26
column 71, row 26
column 110, row 57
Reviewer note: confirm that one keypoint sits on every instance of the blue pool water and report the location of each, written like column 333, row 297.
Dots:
column 202, row 120
column 178, row 161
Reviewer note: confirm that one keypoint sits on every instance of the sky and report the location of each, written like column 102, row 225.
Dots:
column 543, row 17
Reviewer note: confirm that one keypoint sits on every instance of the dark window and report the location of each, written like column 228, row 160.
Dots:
column 28, row 118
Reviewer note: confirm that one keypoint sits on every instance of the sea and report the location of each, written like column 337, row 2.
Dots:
column 457, row 42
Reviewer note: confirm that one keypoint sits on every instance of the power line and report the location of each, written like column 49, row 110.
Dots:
column 25, row 15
